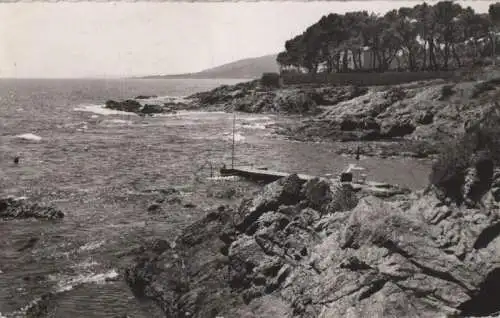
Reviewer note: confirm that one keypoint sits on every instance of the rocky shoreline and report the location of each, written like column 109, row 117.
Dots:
column 147, row 107
column 412, row 119
column 321, row 249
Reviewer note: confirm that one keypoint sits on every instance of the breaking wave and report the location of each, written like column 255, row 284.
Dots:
column 101, row 110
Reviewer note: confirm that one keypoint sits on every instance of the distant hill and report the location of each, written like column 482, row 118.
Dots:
column 246, row 68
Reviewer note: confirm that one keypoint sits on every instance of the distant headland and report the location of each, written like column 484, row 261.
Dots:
column 250, row 68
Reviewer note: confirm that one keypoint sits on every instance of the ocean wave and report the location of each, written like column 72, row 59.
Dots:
column 169, row 99
column 117, row 122
column 204, row 114
column 91, row 246
column 89, row 263
column 29, row 136
column 224, row 178
column 257, row 118
column 68, row 283
column 237, row 137
column 261, row 126
column 101, row 110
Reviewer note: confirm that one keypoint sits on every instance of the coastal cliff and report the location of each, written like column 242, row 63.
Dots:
column 320, row 249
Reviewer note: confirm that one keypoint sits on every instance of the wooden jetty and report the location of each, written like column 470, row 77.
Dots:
column 260, row 174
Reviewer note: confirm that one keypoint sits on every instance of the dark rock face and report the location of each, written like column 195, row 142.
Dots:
column 133, row 106
column 314, row 249
column 128, row 105
column 425, row 118
column 14, row 208
column 394, row 129
column 145, row 96
column 152, row 109
column 296, row 247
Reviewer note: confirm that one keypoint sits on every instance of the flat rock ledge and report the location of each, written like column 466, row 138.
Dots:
column 319, row 249
column 20, row 208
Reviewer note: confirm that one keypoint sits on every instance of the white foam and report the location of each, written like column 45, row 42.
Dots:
column 258, row 118
column 237, row 137
column 224, row 178
column 29, row 136
column 169, row 99
column 257, row 125
column 72, row 282
column 354, row 167
column 86, row 264
column 117, row 122
column 101, row 110
column 91, row 246
column 192, row 113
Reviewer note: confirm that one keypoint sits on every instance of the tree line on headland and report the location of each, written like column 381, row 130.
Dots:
column 435, row 37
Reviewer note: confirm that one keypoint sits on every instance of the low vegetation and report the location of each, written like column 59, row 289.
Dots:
column 271, row 80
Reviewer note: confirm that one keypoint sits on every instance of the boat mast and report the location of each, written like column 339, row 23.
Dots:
column 232, row 152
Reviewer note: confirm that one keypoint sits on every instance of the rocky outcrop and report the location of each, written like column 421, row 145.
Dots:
column 315, row 249
column 424, row 111
column 128, row 105
column 21, row 209
column 133, row 106
column 145, row 96
column 252, row 97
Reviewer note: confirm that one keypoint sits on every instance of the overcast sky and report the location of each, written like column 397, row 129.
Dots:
column 89, row 39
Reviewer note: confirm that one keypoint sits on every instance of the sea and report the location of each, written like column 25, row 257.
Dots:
column 96, row 165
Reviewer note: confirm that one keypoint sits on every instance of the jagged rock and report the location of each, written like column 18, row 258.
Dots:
column 145, row 96
column 19, row 208
column 425, row 118
column 343, row 198
column 128, row 105
column 288, row 247
column 318, row 194
column 285, row 191
column 394, row 129
column 296, row 103
column 152, row 109
column 329, row 95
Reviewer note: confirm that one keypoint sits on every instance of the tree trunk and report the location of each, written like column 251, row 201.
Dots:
column 432, row 56
column 455, row 55
column 354, row 61
column 446, row 55
column 426, row 44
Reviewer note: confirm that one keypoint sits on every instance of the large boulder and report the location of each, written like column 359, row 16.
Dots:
column 128, row 105
column 149, row 109
column 21, row 209
column 394, row 129
column 285, row 191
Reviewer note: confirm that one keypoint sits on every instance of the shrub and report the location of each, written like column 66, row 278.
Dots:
column 270, row 80
column 446, row 92
column 448, row 172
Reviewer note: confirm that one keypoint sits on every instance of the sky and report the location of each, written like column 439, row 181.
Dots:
column 120, row 39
